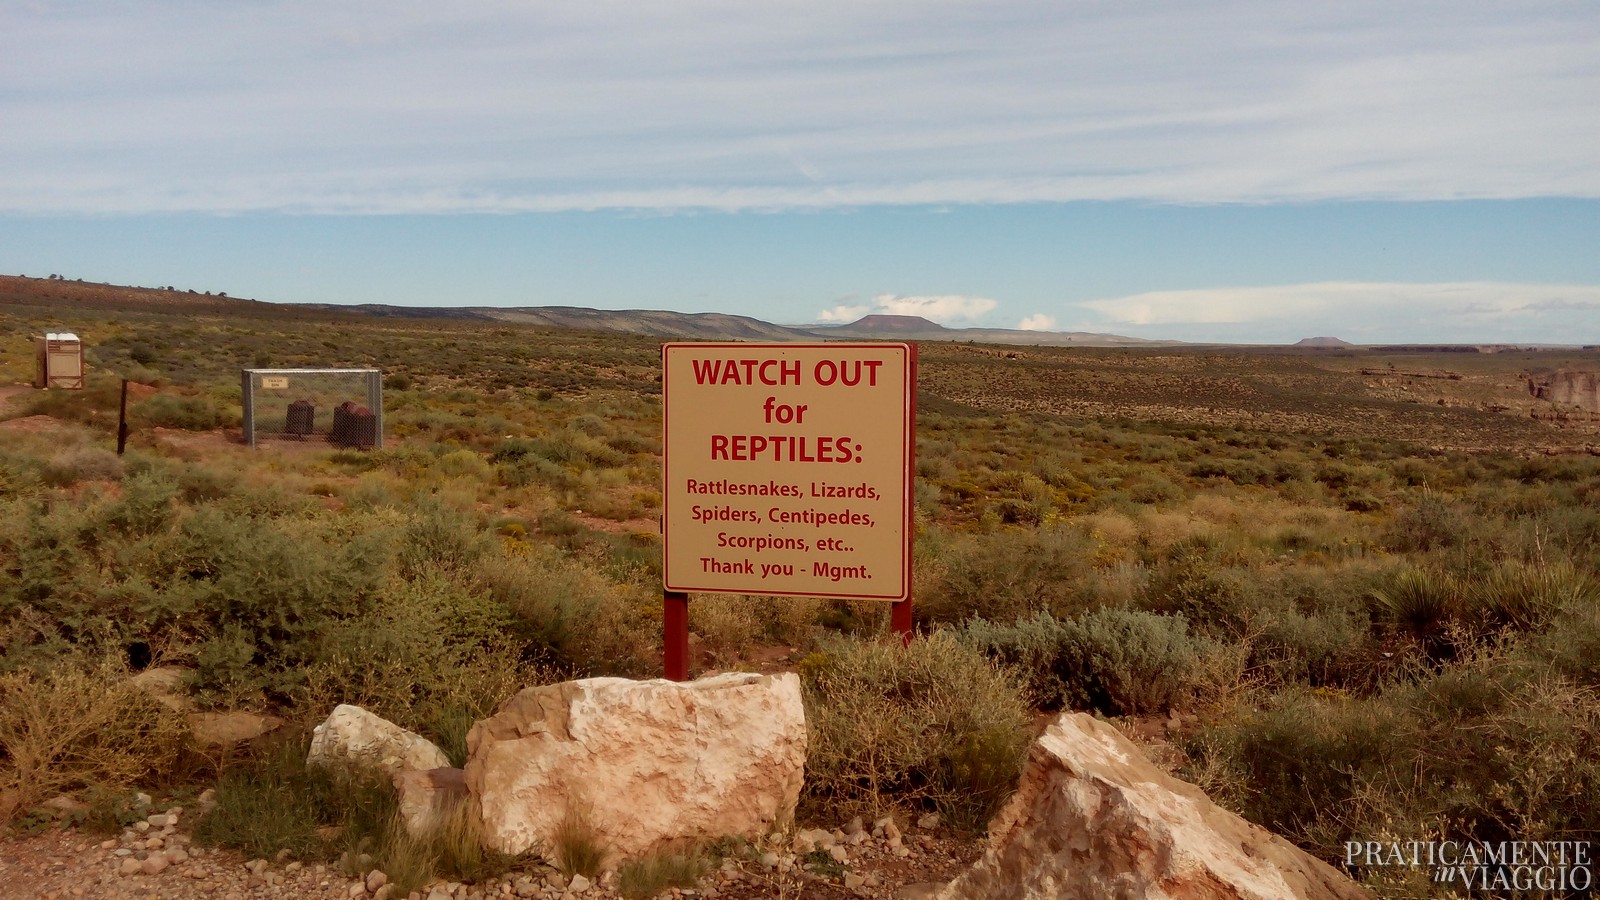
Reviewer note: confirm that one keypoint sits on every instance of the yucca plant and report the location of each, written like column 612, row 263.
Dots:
column 1420, row 605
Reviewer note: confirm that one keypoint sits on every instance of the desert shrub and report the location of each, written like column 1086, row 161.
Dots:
column 145, row 507
column 79, row 726
column 1316, row 650
column 727, row 624
column 1569, row 646
column 273, row 800
column 441, row 535
column 83, row 464
column 571, row 616
column 1488, row 748
column 1419, row 605
column 20, row 474
column 256, row 596
column 1002, row 577
column 200, row 484
column 1113, row 661
column 433, row 657
column 96, row 405
column 933, row 725
column 1431, row 523
column 1526, row 596
column 1301, row 760
column 177, row 411
column 1192, row 583
column 464, row 464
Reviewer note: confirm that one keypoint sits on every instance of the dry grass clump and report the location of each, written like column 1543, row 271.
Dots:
column 79, row 726
column 274, row 801
column 576, row 848
column 648, row 877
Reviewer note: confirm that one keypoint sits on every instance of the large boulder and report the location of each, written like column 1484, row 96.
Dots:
column 644, row 765
column 1093, row 818
column 427, row 797
column 352, row 735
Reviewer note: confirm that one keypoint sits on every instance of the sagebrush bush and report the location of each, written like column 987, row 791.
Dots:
column 1318, row 650
column 178, row 411
column 432, row 657
column 572, row 616
column 1488, row 748
column 1431, row 523
column 77, row 726
column 1005, row 576
column 932, row 725
column 1112, row 661
column 83, row 464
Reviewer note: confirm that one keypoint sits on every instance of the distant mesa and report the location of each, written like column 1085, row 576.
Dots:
column 643, row 322
column 886, row 324
column 1323, row 342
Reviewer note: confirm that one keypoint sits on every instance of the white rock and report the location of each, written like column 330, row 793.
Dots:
column 63, row 805
column 223, row 729
column 1094, row 818
column 168, row 684
column 645, row 763
column 351, row 734
column 578, row 884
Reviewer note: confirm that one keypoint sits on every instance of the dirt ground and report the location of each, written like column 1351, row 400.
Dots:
column 69, row 862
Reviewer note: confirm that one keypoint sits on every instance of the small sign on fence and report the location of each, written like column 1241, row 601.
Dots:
column 274, row 382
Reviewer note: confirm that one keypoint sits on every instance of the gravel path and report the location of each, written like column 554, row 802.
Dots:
column 156, row 860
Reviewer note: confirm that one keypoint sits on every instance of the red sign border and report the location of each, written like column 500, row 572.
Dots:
column 908, row 462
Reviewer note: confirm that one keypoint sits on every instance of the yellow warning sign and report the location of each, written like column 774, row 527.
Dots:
column 788, row 469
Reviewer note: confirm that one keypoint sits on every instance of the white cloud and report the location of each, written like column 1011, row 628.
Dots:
column 843, row 313
column 1038, row 322
column 709, row 104
column 1366, row 312
column 942, row 309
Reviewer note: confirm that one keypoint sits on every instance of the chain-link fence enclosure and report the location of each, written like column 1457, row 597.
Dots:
column 341, row 406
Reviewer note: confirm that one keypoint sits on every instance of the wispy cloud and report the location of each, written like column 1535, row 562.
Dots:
column 709, row 104
column 1367, row 311
column 1038, row 322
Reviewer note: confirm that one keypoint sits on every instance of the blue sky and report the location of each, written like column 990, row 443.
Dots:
column 1235, row 171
